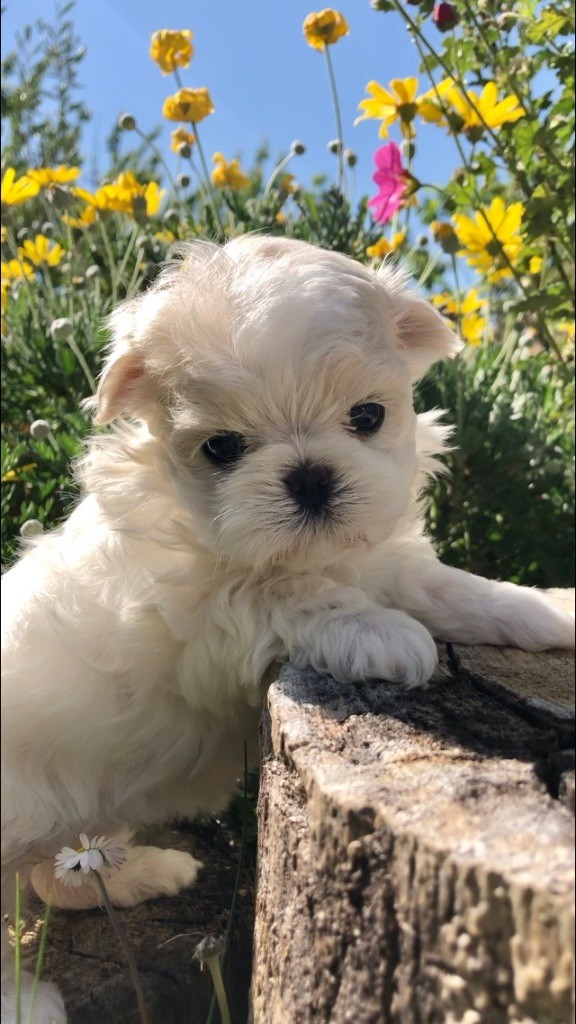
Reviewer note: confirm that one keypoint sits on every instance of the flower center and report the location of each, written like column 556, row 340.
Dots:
column 407, row 112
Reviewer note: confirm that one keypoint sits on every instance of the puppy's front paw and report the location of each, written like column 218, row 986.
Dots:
column 376, row 643
column 532, row 620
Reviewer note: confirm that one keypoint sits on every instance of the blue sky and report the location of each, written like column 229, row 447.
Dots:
column 265, row 81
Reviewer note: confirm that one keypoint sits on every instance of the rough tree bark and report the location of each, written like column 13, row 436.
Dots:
column 416, row 848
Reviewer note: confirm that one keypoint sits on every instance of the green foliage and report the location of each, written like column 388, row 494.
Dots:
column 506, row 509
column 41, row 116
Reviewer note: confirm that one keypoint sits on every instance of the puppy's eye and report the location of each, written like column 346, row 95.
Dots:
column 367, row 418
column 224, row 448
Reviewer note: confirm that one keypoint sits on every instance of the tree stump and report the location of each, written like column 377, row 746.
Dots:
column 416, row 847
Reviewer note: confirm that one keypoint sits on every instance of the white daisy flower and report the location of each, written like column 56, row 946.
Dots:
column 72, row 866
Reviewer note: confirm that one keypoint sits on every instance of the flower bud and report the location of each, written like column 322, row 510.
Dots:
column 127, row 123
column 40, row 429
column 445, row 235
column 335, row 146
column 422, row 241
column 183, row 180
column 170, row 215
column 92, row 272
column 408, row 149
column 61, row 328
column 31, row 528
column 298, row 147
column 22, row 234
column 47, row 229
column 350, row 157
column 185, row 150
column 445, row 17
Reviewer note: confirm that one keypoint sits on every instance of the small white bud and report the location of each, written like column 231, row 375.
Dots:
column 61, row 328
column 40, row 429
column 31, row 528
column 298, row 147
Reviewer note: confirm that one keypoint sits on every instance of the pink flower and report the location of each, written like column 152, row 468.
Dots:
column 393, row 180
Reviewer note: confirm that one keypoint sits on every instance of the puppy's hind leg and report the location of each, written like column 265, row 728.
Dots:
column 460, row 607
column 147, row 873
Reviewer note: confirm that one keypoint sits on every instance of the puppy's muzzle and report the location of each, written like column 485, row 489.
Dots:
column 312, row 486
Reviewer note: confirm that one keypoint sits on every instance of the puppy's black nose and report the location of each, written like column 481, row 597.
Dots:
column 311, row 485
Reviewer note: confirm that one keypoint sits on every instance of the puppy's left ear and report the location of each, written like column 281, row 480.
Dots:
column 423, row 335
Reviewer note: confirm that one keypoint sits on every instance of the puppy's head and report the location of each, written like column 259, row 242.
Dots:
column 276, row 380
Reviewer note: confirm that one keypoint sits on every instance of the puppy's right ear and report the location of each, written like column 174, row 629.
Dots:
column 123, row 388
column 119, row 386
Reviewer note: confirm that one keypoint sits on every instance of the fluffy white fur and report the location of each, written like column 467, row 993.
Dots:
column 137, row 637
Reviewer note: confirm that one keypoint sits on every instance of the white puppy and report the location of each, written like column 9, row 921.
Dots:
column 261, row 504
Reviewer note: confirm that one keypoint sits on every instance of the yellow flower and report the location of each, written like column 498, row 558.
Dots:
column 166, row 236
column 383, row 247
column 535, row 265
column 17, row 191
column 15, row 270
column 86, row 218
column 14, row 474
column 399, row 102
column 41, row 251
column 47, row 177
column 323, row 28
column 467, row 314
column 491, row 238
column 180, row 137
column 119, row 196
column 228, row 174
column 475, row 112
column 3, row 233
column 191, row 105
column 171, row 49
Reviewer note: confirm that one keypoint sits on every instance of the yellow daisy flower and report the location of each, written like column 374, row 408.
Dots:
column 42, row 251
column 119, row 196
column 535, row 265
column 15, row 191
column 86, row 218
column 15, row 270
column 477, row 111
column 467, row 314
column 324, row 28
column 227, row 174
column 50, row 176
column 180, row 137
column 491, row 238
column 383, row 247
column 400, row 102
column 191, row 105
column 171, row 49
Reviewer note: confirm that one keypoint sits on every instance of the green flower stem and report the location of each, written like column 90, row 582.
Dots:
column 459, row 453
column 277, row 170
column 337, row 116
column 241, row 855
column 210, row 191
column 39, row 962
column 125, row 945
column 214, row 968
column 110, row 258
column 151, row 145
column 17, row 954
